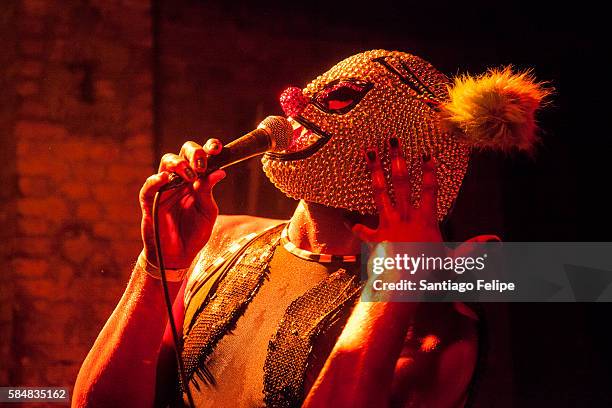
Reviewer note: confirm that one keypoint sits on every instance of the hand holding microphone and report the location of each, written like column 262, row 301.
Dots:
column 187, row 214
column 273, row 133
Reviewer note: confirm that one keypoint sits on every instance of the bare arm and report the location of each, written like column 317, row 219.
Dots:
column 360, row 369
column 368, row 368
column 120, row 369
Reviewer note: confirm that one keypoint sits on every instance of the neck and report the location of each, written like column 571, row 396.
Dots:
column 322, row 229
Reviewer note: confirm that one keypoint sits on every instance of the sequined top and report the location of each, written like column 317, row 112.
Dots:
column 269, row 352
column 273, row 352
column 237, row 363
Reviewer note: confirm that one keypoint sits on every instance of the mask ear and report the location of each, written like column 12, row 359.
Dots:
column 495, row 110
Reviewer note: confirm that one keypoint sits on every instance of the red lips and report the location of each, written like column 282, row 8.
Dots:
column 302, row 137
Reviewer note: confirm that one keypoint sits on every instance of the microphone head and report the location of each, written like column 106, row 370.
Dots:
column 280, row 131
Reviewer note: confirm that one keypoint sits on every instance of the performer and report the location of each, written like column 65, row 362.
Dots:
column 269, row 309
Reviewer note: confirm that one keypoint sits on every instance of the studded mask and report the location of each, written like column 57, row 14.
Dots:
column 359, row 104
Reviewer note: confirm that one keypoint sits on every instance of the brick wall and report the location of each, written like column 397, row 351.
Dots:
column 83, row 146
column 8, row 185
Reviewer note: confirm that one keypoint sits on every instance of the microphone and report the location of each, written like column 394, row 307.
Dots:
column 273, row 133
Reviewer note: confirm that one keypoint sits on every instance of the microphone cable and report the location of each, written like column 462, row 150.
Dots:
column 272, row 132
column 168, row 302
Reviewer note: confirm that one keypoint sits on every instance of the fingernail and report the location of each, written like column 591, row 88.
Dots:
column 190, row 174
column 213, row 145
column 371, row 154
column 393, row 142
column 200, row 163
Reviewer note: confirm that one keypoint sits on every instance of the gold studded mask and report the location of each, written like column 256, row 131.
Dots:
column 356, row 105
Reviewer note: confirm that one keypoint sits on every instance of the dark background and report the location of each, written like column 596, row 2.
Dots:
column 223, row 66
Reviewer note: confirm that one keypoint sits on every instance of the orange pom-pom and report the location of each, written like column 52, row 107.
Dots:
column 495, row 110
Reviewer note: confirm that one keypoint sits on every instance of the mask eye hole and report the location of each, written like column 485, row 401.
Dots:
column 340, row 97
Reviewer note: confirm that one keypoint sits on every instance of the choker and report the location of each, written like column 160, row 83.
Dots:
column 311, row 256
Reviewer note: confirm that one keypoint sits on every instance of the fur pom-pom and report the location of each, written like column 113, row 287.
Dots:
column 495, row 110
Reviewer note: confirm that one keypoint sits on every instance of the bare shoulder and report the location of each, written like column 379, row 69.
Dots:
column 243, row 224
column 236, row 226
column 229, row 228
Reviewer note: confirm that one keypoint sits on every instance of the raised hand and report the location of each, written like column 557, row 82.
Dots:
column 401, row 222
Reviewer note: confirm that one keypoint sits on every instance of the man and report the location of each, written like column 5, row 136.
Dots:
column 269, row 311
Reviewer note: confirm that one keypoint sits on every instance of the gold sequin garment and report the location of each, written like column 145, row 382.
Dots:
column 239, row 281
column 306, row 318
column 266, row 350
column 402, row 98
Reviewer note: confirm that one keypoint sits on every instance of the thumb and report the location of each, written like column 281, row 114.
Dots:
column 485, row 238
column 465, row 248
column 203, row 187
column 364, row 233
